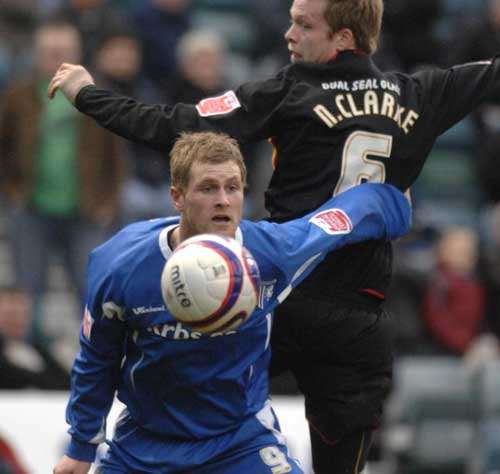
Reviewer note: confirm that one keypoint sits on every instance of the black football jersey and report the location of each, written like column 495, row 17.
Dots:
column 333, row 126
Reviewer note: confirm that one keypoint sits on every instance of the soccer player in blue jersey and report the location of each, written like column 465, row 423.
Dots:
column 195, row 402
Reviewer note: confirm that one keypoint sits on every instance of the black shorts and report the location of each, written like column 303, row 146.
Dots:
column 340, row 352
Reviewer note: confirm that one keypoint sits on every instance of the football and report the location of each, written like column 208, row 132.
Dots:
column 210, row 283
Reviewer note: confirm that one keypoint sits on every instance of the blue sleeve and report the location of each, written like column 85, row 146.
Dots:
column 295, row 248
column 95, row 373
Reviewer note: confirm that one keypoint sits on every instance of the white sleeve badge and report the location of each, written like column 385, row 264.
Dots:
column 333, row 221
column 220, row 105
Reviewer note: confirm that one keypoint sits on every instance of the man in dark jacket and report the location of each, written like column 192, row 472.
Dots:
column 61, row 175
column 22, row 364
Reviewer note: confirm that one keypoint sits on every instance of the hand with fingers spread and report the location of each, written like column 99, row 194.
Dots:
column 69, row 465
column 69, row 79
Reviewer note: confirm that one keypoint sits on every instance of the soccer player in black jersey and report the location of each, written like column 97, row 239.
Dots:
column 335, row 121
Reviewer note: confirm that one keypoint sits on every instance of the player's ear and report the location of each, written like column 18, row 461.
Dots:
column 177, row 197
column 345, row 39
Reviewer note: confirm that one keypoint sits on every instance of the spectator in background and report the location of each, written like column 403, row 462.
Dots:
column 476, row 39
column 454, row 302
column 22, row 364
column 17, row 22
column 118, row 62
column 61, row 174
column 414, row 260
column 91, row 18
column 200, row 68
column 118, row 65
column 490, row 266
column 201, row 60
column 409, row 32
column 160, row 24
column 270, row 18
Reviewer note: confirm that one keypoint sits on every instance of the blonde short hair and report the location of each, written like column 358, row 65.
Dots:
column 202, row 147
column 362, row 17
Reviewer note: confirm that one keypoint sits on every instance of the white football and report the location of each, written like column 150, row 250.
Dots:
column 210, row 283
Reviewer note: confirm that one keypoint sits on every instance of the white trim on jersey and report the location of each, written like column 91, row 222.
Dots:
column 165, row 248
column 286, row 292
column 475, row 63
column 163, row 241
column 267, row 418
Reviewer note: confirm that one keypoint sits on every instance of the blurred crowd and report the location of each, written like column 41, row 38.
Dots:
column 446, row 289
column 447, row 272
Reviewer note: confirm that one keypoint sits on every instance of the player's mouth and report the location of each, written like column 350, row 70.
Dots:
column 221, row 219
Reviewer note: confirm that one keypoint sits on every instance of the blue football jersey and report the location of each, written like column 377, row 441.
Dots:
column 178, row 383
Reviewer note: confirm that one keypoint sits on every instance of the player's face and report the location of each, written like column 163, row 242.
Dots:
column 213, row 201
column 309, row 37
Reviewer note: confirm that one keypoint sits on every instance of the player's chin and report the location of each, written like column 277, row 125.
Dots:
column 226, row 228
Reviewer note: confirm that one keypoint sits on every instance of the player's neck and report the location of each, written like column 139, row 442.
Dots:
column 353, row 50
column 174, row 238
column 180, row 234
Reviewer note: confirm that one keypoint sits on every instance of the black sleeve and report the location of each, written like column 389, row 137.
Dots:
column 248, row 116
column 449, row 95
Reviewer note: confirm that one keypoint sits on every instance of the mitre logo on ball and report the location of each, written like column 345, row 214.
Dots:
column 210, row 283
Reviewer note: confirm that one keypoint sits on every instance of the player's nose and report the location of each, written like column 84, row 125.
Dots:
column 289, row 34
column 222, row 198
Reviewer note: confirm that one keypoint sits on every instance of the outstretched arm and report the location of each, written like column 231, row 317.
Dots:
column 248, row 113
column 366, row 212
column 449, row 95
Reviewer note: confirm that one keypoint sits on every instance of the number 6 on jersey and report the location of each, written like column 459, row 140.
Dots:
column 356, row 166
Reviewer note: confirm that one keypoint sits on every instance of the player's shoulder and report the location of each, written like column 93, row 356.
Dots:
column 131, row 244
column 147, row 226
column 256, row 235
column 247, row 228
column 298, row 72
column 423, row 77
column 245, row 234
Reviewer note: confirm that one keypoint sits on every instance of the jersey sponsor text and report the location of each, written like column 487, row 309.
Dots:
column 179, row 332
